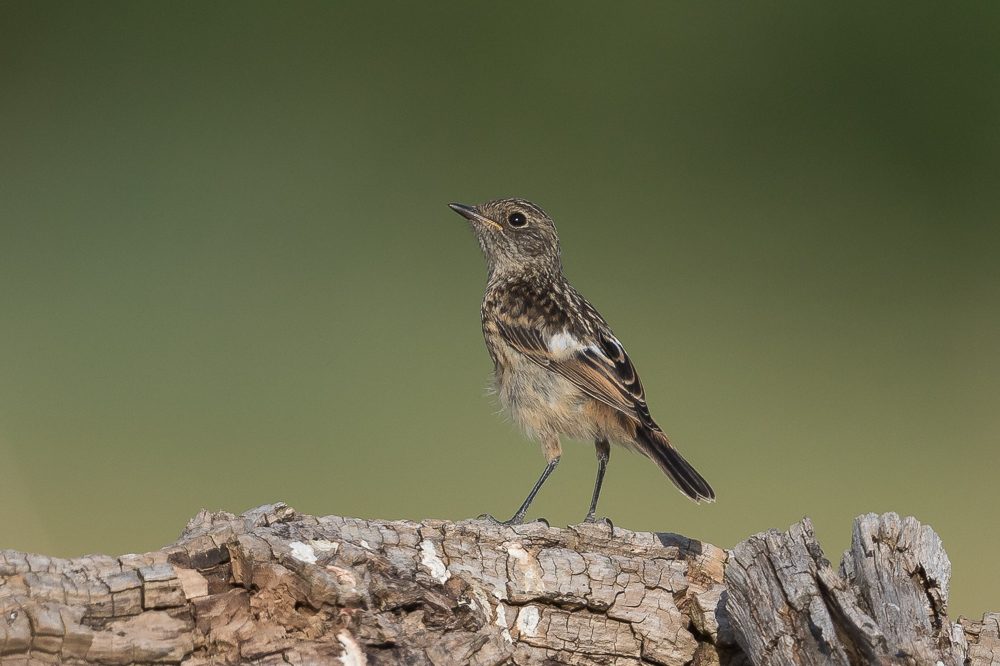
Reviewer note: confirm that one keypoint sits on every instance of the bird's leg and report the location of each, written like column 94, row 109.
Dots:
column 519, row 516
column 552, row 450
column 603, row 453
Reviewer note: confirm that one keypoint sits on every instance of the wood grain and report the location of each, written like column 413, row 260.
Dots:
column 276, row 587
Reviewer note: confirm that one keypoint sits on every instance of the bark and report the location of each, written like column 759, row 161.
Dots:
column 276, row 587
column 886, row 605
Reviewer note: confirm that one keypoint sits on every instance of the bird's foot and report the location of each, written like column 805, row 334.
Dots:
column 605, row 520
column 516, row 520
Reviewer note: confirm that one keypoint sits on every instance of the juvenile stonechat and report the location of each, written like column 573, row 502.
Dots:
column 558, row 368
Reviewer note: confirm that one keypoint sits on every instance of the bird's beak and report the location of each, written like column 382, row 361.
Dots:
column 469, row 213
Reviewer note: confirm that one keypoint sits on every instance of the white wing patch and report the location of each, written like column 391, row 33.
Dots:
column 561, row 342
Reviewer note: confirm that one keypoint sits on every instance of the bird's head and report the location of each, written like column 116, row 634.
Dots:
column 515, row 235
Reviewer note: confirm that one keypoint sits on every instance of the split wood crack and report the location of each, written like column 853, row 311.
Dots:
column 276, row 587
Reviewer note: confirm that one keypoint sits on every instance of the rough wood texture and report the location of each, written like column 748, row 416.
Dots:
column 276, row 587
column 273, row 586
column 887, row 605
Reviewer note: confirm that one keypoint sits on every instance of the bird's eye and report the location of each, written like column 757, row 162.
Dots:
column 517, row 220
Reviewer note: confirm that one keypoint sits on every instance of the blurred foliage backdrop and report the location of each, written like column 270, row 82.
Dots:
column 228, row 275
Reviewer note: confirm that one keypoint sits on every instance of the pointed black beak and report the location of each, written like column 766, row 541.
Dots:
column 469, row 213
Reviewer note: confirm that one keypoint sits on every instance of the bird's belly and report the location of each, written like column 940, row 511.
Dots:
column 542, row 402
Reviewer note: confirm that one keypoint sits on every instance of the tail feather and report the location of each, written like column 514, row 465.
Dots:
column 655, row 446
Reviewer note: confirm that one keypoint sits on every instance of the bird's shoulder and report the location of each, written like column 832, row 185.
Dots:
column 546, row 304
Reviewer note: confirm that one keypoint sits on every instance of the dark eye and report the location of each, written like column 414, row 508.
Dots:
column 517, row 220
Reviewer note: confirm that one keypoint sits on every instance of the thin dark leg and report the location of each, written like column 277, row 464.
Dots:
column 519, row 516
column 603, row 453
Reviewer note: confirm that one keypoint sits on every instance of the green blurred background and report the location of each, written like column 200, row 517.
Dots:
column 228, row 275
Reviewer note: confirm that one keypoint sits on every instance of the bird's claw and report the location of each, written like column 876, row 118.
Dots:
column 510, row 523
column 605, row 520
column 490, row 519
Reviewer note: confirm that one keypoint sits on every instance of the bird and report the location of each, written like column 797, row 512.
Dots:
column 558, row 367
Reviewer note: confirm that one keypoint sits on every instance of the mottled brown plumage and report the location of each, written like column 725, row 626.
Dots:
column 558, row 368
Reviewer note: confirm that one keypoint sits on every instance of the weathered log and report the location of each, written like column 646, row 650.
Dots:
column 887, row 605
column 276, row 587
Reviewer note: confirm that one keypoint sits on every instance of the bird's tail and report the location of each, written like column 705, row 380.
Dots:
column 655, row 446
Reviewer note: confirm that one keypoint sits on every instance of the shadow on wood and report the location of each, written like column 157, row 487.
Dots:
column 276, row 587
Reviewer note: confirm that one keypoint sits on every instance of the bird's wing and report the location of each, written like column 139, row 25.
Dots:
column 597, row 365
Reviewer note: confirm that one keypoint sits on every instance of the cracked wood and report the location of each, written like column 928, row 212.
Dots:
column 276, row 587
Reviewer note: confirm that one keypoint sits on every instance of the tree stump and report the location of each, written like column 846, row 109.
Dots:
column 276, row 587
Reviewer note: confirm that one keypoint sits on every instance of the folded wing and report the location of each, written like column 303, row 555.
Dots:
column 597, row 365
